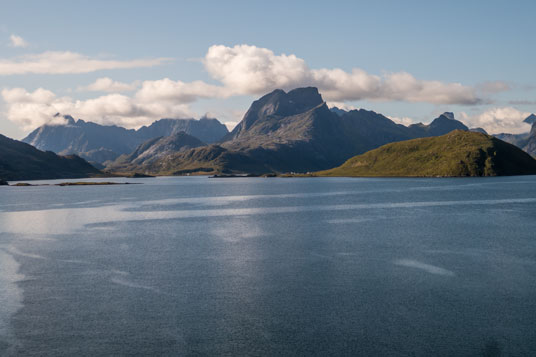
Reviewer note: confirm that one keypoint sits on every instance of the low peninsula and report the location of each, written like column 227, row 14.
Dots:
column 456, row 154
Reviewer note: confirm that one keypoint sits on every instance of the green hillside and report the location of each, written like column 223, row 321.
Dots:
column 459, row 153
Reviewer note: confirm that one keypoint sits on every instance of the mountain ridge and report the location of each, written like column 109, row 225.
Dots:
column 153, row 149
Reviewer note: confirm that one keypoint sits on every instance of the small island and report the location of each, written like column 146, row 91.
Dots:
column 81, row 183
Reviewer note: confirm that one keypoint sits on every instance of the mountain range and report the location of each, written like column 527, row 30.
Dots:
column 281, row 132
column 99, row 143
column 295, row 132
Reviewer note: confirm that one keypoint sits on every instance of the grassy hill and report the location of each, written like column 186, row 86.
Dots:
column 459, row 153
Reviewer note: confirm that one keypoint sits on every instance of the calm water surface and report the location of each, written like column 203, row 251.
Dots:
column 198, row 266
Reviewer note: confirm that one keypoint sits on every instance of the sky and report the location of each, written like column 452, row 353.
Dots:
column 129, row 63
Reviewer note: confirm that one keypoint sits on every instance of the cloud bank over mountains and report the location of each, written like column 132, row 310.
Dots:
column 245, row 69
column 237, row 71
column 32, row 109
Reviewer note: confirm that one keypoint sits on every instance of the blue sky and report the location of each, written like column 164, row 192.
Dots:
column 475, row 58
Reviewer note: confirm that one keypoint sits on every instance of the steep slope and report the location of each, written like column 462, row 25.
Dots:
column 101, row 143
column 459, row 153
column 153, row 149
column 21, row 161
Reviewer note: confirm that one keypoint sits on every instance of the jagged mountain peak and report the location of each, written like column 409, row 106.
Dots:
column 448, row 115
column 444, row 124
column 531, row 119
column 278, row 103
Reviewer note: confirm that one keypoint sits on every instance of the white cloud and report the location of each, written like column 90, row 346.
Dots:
column 32, row 109
column 404, row 120
column 106, row 84
column 245, row 69
column 55, row 62
column 498, row 120
column 178, row 91
column 342, row 105
column 231, row 125
column 17, row 41
column 492, row 87
column 240, row 70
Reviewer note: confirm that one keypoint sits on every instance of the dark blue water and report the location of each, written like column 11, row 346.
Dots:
column 198, row 266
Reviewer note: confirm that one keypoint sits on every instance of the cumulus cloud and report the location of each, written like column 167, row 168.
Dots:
column 17, row 41
column 32, row 109
column 498, row 120
column 56, row 62
column 245, row 69
column 152, row 101
column 106, row 84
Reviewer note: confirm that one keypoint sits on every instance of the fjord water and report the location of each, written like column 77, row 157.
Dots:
column 254, row 266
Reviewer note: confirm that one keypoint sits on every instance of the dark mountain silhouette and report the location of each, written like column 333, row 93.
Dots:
column 21, row 161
